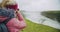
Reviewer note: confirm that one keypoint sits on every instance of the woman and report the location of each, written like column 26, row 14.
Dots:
column 19, row 22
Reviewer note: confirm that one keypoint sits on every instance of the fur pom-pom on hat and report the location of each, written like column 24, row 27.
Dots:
column 11, row 2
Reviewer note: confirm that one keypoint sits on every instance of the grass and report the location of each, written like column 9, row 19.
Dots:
column 33, row 27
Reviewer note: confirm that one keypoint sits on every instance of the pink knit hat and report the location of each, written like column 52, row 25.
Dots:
column 12, row 5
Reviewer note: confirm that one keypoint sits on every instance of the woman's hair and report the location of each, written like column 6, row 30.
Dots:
column 3, row 3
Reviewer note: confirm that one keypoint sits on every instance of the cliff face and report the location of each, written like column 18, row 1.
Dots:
column 55, row 15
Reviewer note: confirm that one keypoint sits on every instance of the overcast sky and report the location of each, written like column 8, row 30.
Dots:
column 39, row 5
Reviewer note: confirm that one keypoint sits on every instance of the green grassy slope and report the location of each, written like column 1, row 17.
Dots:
column 33, row 27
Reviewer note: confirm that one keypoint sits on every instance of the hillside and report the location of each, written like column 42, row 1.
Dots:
column 33, row 27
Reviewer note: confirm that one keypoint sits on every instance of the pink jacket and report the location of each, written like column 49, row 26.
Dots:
column 15, row 25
